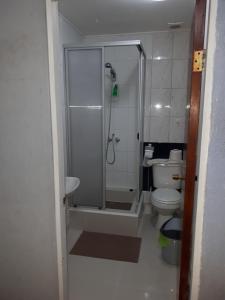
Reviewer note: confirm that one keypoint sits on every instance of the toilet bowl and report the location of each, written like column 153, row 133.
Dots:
column 166, row 199
column 165, row 202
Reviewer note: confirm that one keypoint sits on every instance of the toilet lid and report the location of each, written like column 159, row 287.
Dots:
column 165, row 195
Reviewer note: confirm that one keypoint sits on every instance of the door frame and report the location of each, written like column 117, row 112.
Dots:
column 52, row 23
column 210, row 43
column 52, row 15
column 191, row 156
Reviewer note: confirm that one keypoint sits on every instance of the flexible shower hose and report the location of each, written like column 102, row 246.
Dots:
column 110, row 140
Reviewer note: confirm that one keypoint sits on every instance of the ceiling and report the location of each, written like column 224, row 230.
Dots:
column 125, row 16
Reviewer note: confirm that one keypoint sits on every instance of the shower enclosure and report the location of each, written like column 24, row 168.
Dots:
column 105, row 86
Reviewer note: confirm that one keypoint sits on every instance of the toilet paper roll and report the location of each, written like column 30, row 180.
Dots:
column 176, row 155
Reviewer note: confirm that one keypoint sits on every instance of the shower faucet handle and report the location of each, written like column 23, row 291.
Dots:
column 114, row 138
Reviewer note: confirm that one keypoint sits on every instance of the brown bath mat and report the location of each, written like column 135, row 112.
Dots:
column 107, row 246
column 118, row 205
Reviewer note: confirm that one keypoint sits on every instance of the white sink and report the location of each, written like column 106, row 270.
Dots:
column 71, row 184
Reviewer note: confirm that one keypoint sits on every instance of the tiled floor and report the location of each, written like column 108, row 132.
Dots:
column 100, row 279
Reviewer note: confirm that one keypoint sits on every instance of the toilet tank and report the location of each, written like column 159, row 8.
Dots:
column 163, row 175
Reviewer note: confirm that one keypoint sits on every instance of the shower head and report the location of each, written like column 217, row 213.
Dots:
column 112, row 71
column 108, row 65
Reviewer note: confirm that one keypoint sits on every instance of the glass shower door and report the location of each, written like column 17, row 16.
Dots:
column 84, row 79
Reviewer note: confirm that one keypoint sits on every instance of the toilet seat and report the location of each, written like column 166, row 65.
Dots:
column 166, row 196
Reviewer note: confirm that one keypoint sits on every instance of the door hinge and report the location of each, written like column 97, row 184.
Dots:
column 199, row 60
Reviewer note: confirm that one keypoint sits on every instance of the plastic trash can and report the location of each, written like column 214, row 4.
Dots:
column 170, row 241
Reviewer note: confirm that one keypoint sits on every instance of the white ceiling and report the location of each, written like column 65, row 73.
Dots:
column 123, row 16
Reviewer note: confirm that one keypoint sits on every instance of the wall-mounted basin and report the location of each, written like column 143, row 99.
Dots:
column 71, row 184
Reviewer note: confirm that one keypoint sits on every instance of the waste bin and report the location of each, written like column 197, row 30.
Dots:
column 170, row 241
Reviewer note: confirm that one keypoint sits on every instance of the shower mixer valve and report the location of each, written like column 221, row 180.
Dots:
column 114, row 137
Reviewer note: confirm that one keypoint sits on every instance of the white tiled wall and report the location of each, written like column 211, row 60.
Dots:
column 166, row 91
column 166, row 82
column 166, row 96
column 123, row 174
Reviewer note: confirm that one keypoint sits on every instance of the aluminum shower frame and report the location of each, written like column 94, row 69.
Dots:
column 141, row 98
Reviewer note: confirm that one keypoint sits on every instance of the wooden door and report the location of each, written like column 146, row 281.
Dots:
column 198, row 32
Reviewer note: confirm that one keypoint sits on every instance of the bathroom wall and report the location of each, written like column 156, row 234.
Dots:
column 124, row 173
column 166, row 95
column 166, row 84
column 69, row 34
column 28, row 259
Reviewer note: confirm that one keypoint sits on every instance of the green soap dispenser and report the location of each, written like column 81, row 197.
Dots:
column 115, row 90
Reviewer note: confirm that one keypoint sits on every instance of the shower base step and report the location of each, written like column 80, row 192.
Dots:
column 118, row 205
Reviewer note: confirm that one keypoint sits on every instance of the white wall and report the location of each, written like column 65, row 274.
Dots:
column 28, row 262
column 124, row 117
column 69, row 34
column 166, row 88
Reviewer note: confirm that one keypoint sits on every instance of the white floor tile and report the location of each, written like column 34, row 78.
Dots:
column 150, row 278
column 93, row 290
column 145, row 294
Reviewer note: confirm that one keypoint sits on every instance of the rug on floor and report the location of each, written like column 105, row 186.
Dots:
column 107, row 246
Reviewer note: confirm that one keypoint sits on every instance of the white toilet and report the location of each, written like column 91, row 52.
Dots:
column 166, row 199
